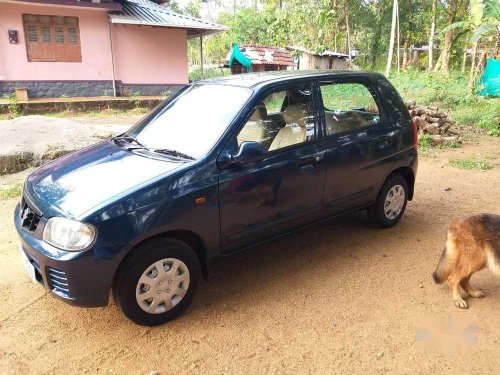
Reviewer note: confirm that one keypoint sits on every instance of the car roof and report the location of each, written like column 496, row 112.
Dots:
column 263, row 78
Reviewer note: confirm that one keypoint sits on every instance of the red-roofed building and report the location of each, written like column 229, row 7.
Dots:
column 263, row 58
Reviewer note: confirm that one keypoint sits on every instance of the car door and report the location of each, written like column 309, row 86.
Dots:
column 359, row 142
column 265, row 198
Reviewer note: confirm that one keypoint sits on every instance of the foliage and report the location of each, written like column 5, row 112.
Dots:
column 13, row 109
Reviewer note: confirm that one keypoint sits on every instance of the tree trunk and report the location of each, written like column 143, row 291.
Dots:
column 405, row 54
column 438, row 62
column 480, row 66
column 448, row 38
column 464, row 60
column 472, row 65
column 398, row 54
column 431, row 36
column 391, row 42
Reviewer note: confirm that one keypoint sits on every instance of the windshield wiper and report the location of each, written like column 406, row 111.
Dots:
column 129, row 139
column 174, row 153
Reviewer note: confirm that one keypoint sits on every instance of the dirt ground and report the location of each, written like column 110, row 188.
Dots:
column 340, row 297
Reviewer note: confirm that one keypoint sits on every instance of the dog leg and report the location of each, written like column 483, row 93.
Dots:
column 457, row 298
column 476, row 293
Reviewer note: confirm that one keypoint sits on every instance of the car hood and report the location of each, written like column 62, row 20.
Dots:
column 76, row 183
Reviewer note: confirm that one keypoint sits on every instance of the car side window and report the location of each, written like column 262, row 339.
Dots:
column 283, row 119
column 348, row 106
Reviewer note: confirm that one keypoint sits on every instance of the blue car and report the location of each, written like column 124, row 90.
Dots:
column 221, row 166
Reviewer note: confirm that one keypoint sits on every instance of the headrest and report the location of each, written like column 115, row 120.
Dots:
column 259, row 114
column 297, row 114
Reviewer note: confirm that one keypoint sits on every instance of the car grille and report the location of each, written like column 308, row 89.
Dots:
column 29, row 218
column 58, row 280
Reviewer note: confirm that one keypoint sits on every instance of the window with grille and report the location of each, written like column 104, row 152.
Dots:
column 52, row 38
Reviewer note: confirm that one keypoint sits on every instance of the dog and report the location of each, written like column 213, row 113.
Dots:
column 473, row 243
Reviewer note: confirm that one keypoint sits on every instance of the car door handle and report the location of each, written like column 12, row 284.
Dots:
column 307, row 160
column 312, row 159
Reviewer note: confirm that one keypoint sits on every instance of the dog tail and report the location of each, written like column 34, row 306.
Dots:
column 439, row 274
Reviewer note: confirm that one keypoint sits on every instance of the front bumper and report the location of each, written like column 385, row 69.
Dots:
column 78, row 278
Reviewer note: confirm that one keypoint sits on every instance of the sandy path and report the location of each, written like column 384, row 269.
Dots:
column 341, row 297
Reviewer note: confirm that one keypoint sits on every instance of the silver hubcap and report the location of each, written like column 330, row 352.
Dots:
column 394, row 202
column 162, row 286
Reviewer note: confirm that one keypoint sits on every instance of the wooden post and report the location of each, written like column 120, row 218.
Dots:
column 112, row 57
column 201, row 56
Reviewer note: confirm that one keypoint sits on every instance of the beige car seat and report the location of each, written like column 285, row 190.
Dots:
column 296, row 118
column 254, row 129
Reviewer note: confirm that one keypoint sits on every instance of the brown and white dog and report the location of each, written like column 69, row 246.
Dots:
column 473, row 242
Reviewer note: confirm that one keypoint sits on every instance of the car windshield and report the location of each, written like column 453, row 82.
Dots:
column 193, row 122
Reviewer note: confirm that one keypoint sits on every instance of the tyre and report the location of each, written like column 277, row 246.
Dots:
column 391, row 202
column 157, row 281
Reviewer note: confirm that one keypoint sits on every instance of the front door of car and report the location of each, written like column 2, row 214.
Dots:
column 359, row 140
column 283, row 190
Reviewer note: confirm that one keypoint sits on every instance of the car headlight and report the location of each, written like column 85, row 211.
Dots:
column 69, row 235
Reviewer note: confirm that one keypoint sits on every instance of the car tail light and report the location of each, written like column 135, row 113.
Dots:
column 415, row 133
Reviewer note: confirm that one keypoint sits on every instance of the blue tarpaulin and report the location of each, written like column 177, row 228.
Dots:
column 489, row 83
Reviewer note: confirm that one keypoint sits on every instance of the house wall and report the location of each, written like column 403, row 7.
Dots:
column 147, row 60
column 149, row 55
column 94, row 38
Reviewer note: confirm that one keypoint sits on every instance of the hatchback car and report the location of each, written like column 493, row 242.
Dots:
column 221, row 166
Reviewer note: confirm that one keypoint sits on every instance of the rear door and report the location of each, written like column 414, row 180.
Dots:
column 359, row 142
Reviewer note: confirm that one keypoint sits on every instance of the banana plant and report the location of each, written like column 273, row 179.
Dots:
column 484, row 19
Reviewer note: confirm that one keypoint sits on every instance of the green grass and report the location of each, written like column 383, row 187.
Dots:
column 11, row 191
column 471, row 164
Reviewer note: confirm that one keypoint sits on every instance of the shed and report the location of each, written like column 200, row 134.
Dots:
column 308, row 59
column 255, row 58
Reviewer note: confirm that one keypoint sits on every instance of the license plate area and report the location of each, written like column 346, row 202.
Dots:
column 29, row 267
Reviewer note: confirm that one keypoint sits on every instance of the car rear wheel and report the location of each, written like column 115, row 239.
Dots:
column 157, row 282
column 391, row 202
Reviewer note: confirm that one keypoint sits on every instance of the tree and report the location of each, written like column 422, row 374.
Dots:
column 444, row 67
column 483, row 19
column 391, row 41
column 432, row 33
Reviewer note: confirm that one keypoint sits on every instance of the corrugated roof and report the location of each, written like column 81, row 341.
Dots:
column 266, row 55
column 145, row 12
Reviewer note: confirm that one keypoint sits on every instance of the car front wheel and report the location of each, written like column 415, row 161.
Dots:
column 157, row 282
column 391, row 202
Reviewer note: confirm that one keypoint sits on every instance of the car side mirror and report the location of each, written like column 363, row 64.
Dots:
column 248, row 152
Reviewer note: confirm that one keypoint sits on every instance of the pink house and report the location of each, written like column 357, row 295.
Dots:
column 94, row 47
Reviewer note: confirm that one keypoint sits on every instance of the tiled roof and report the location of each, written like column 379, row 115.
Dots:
column 266, row 55
column 145, row 12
